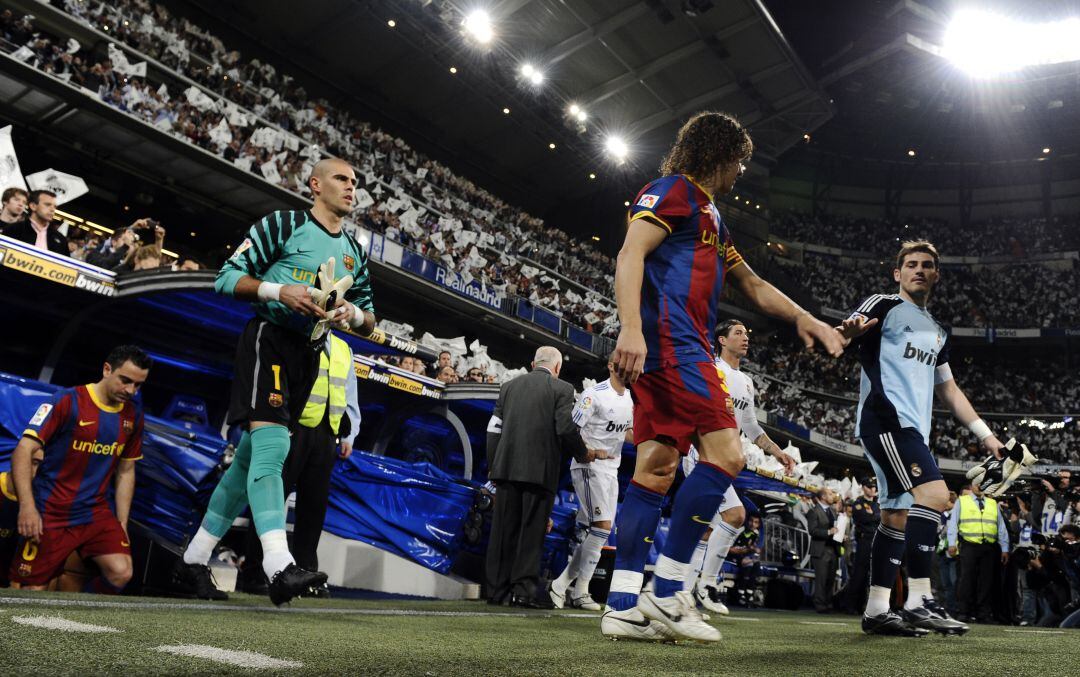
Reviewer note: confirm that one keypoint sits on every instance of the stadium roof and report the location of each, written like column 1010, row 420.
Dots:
column 638, row 69
column 884, row 66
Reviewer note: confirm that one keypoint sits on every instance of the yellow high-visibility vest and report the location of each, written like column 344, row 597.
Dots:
column 329, row 386
column 975, row 526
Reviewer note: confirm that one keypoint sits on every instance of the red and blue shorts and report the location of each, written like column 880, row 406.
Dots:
column 40, row 562
column 676, row 404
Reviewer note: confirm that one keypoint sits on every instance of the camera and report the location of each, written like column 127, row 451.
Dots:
column 147, row 235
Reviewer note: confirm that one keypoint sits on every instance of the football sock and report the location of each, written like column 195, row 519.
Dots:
column 922, row 537
column 276, row 554
column 588, row 556
column 634, row 531
column 917, row 589
column 695, row 505
column 266, row 493
column 885, row 556
column 226, row 503
column 695, row 565
column 723, row 535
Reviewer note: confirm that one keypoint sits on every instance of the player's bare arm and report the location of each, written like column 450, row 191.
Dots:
column 29, row 521
column 954, row 399
column 772, row 301
column 125, row 491
column 642, row 238
column 765, row 443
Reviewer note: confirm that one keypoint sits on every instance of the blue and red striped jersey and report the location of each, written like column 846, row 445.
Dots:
column 84, row 439
column 684, row 276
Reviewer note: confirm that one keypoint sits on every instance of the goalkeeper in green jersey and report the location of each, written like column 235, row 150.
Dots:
column 302, row 272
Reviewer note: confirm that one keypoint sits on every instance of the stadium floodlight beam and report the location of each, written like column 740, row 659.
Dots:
column 985, row 44
column 477, row 24
column 617, row 148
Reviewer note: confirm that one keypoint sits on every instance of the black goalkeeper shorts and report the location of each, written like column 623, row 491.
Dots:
column 274, row 372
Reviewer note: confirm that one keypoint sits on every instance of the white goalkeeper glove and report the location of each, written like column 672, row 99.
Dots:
column 326, row 295
column 994, row 476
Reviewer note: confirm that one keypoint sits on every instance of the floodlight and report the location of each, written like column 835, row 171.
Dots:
column 985, row 44
column 478, row 25
column 617, row 148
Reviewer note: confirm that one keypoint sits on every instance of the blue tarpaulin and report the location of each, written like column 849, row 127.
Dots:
column 413, row 510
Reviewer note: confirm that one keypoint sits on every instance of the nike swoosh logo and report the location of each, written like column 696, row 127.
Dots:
column 648, row 539
column 124, row 543
column 86, row 423
column 643, row 623
column 674, row 619
column 697, row 518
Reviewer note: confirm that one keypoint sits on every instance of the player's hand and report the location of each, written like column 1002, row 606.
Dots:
column 598, row 454
column 30, row 525
column 550, row 526
column 296, row 298
column 832, row 530
column 343, row 313
column 854, row 327
column 629, row 355
column 951, row 551
column 994, row 446
column 786, row 460
column 346, row 449
column 1004, row 558
column 811, row 330
column 1048, row 486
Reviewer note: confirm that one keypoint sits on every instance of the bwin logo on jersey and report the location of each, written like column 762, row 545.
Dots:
column 741, row 404
column 613, row 427
column 919, row 355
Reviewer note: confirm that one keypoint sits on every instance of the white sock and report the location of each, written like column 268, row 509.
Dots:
column 917, row 589
column 587, row 557
column 201, row 547
column 276, row 555
column 723, row 535
column 878, row 601
column 629, row 582
column 695, row 565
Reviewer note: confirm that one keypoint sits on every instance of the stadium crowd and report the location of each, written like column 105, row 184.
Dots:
column 1014, row 295
column 1012, row 237
column 266, row 123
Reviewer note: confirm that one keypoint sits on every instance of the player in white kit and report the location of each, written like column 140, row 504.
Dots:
column 733, row 342
column 605, row 414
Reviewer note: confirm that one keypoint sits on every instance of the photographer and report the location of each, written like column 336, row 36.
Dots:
column 1049, row 502
column 1048, row 572
column 1070, row 537
column 144, row 253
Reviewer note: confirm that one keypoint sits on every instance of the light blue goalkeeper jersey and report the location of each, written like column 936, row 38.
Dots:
column 900, row 358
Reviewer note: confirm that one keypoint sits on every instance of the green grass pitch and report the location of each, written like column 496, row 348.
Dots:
column 346, row 637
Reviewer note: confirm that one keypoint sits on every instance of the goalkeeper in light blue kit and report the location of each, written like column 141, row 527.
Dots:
column 904, row 355
column 288, row 267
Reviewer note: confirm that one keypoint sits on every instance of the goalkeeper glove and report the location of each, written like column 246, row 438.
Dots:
column 326, row 295
column 994, row 476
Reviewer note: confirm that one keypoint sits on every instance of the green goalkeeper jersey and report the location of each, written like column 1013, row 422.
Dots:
column 288, row 247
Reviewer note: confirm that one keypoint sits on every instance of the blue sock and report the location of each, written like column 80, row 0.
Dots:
column 695, row 506
column 634, row 530
column 922, row 537
column 885, row 555
column 101, row 586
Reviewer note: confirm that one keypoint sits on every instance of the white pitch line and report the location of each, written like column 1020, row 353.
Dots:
column 242, row 659
column 1036, row 632
column 62, row 624
column 824, row 623
column 85, row 603
column 738, row 618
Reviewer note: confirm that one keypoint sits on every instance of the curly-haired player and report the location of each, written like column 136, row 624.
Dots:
column 668, row 279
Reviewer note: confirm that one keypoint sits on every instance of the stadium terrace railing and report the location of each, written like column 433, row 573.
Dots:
column 781, row 539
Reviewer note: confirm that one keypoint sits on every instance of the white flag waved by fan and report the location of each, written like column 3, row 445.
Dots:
column 66, row 186
column 10, row 174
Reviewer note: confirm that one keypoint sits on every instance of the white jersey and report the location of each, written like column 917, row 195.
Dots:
column 741, row 387
column 604, row 416
column 743, row 397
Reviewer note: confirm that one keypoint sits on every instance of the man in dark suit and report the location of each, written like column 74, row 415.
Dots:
column 529, row 432
column 824, row 550
column 37, row 228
